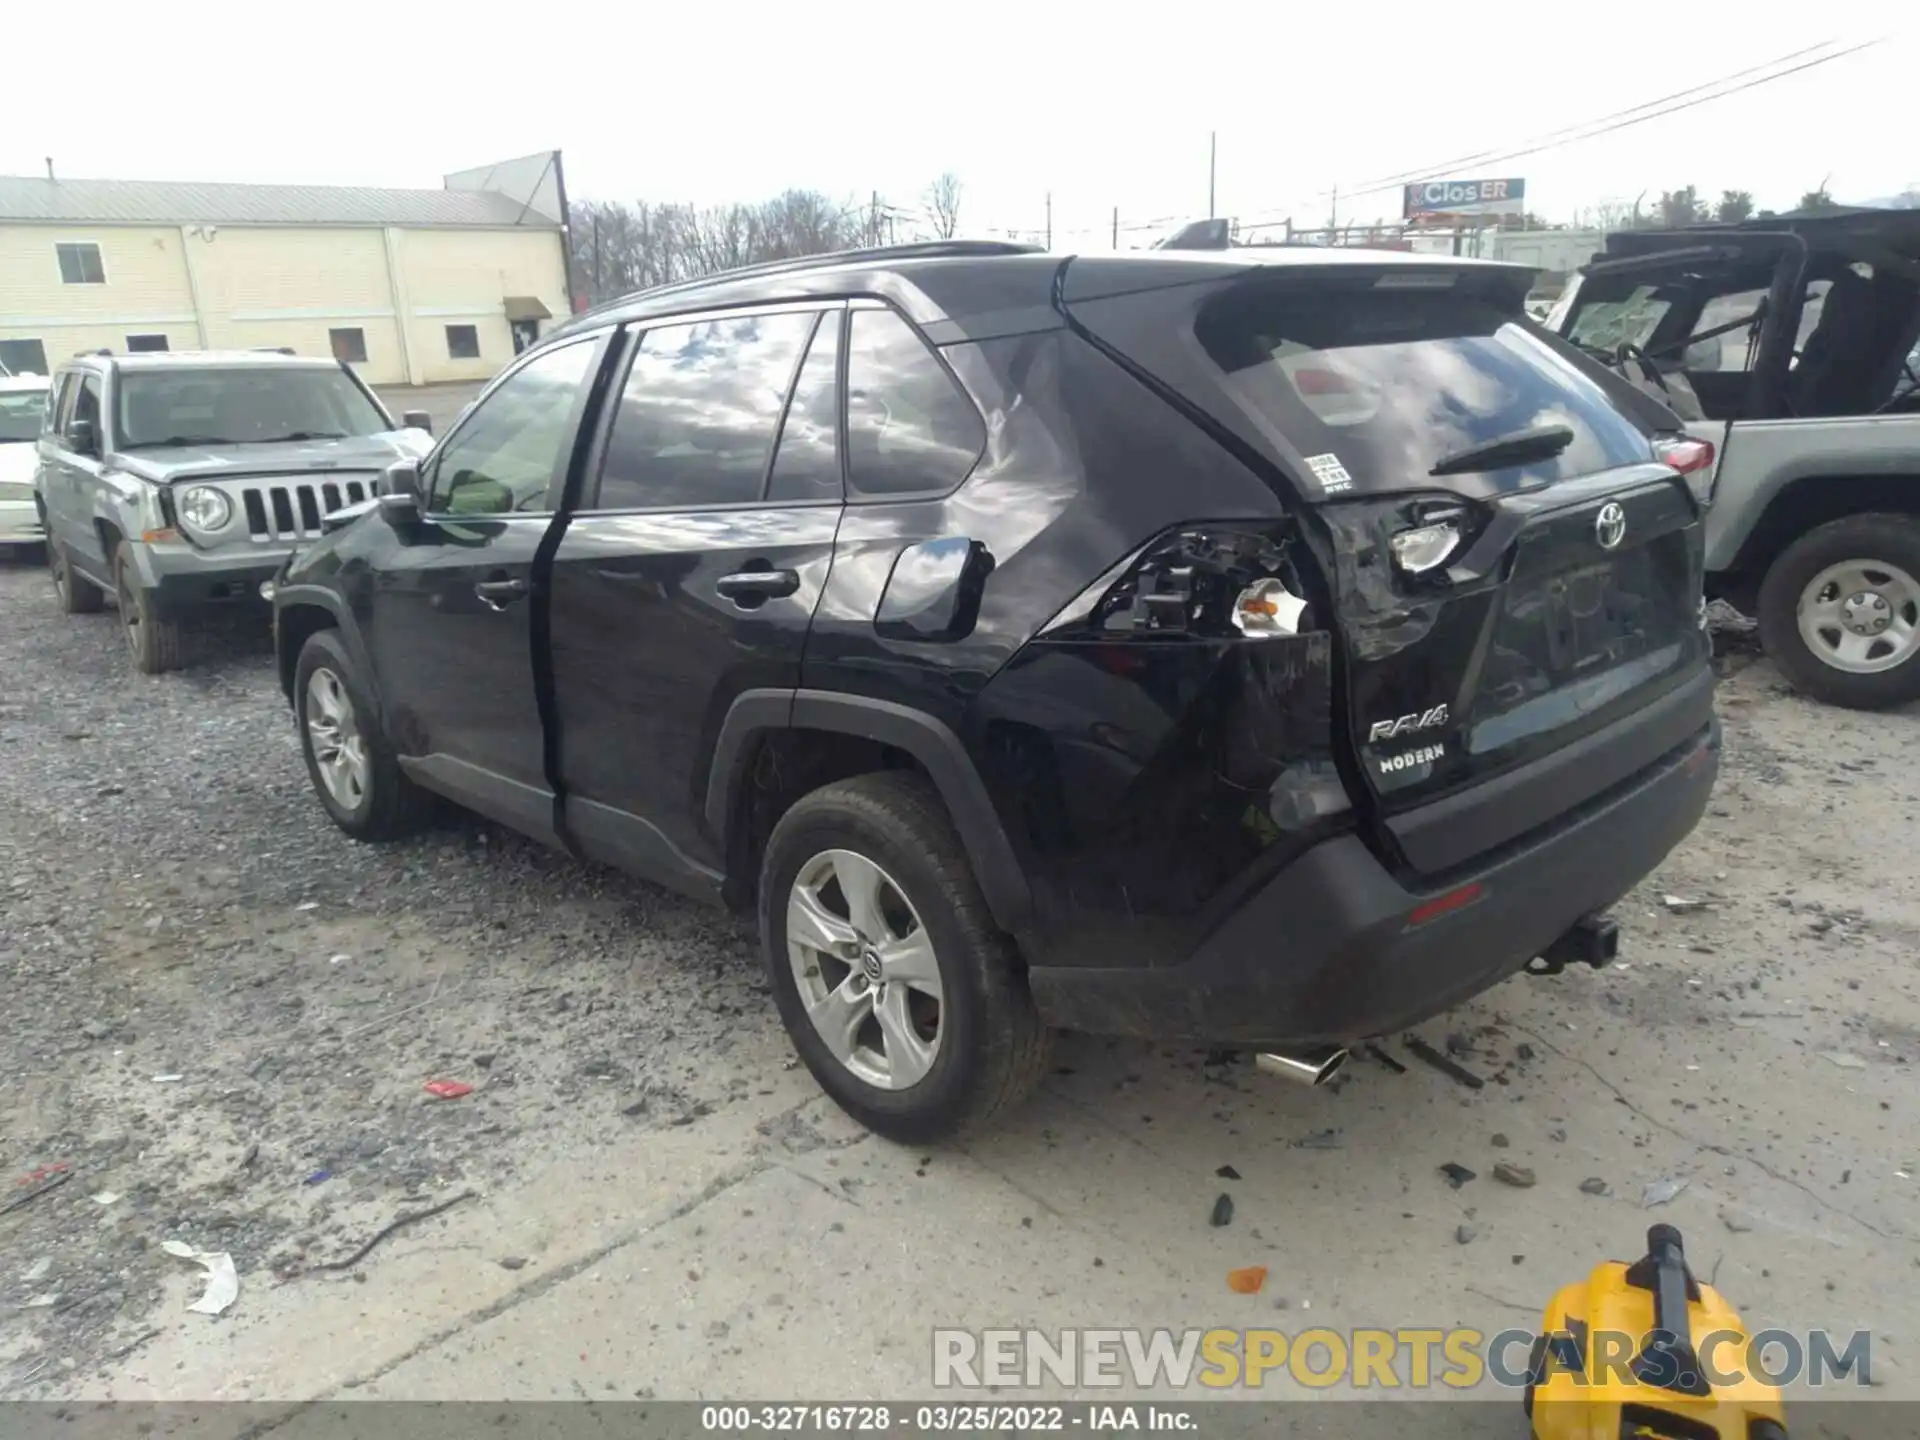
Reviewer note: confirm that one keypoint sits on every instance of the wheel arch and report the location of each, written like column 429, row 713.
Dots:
column 299, row 613
column 758, row 716
column 1810, row 501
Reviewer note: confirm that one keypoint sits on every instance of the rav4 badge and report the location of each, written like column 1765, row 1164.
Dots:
column 1407, row 724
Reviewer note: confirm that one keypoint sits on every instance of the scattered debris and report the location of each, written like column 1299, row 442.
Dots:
column 1501, row 1142
column 308, row 905
column 1843, row 1060
column 1518, row 1176
column 1594, row 1185
column 106, row 1197
column 223, row 1281
column 1736, row 1219
column 1659, row 1192
column 168, row 1079
column 42, row 1181
column 1320, row 1140
column 1450, row 1068
column 318, row 1177
column 37, row 1271
column 1558, row 1136
column 400, row 1224
column 513, row 1262
column 1457, row 1175
column 1222, row 1212
column 448, row 1089
column 1374, row 1052
column 1464, row 1234
column 1227, row 1172
column 1247, row 1281
column 1681, row 907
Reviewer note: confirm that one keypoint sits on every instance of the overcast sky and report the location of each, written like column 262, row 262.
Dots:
column 1103, row 105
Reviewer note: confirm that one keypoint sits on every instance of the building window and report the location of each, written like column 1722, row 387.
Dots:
column 23, row 357
column 463, row 342
column 80, row 264
column 349, row 345
column 145, row 344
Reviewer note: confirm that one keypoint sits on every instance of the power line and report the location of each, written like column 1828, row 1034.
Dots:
column 1586, row 130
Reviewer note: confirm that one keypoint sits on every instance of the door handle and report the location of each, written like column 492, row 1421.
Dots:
column 757, row 585
column 498, row 594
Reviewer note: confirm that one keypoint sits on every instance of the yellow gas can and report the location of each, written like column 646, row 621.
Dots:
column 1633, row 1352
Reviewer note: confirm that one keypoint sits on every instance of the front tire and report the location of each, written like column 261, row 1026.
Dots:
column 904, row 999
column 353, row 769
column 154, row 640
column 77, row 594
column 1840, row 611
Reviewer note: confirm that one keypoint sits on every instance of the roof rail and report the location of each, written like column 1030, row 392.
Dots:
column 799, row 264
column 273, row 349
column 101, row 351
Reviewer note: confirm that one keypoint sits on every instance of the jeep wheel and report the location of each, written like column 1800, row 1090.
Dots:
column 77, row 595
column 1840, row 611
column 905, row 1001
column 351, row 765
column 153, row 639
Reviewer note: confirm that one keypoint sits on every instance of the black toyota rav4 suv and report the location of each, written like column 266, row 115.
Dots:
column 1267, row 648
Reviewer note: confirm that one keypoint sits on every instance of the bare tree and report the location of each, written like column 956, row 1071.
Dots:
column 942, row 202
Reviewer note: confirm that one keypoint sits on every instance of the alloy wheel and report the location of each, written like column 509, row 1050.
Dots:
column 1861, row 616
column 333, row 732
column 865, row 968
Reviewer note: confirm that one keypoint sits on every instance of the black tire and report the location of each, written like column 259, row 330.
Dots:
column 1890, row 539
column 155, row 641
column 77, row 594
column 390, row 805
column 992, row 1046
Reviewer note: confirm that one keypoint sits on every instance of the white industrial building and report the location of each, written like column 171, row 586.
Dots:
column 410, row 286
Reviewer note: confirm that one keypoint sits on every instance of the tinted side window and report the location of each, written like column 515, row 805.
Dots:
column 699, row 412
column 911, row 430
column 807, row 464
column 504, row 456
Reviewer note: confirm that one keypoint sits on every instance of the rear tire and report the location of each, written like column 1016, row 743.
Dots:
column 77, row 594
column 153, row 639
column 352, row 767
column 978, row 1046
column 1824, row 594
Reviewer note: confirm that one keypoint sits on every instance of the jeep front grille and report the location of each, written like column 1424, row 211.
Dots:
column 294, row 511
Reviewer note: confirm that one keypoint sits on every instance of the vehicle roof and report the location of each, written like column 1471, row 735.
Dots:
column 201, row 360
column 952, row 280
column 1898, row 229
column 24, row 382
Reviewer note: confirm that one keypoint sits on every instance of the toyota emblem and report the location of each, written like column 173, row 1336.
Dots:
column 1610, row 526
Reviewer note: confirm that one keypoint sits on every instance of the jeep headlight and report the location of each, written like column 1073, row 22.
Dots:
column 205, row 509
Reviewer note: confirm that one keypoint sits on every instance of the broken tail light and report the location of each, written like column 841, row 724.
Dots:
column 1693, row 459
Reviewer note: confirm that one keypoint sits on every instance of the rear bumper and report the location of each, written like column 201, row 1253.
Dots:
column 1325, row 953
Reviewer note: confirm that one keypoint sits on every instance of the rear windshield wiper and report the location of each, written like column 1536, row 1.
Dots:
column 1539, row 442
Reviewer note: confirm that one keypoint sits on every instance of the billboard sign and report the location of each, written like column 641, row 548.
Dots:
column 1433, row 198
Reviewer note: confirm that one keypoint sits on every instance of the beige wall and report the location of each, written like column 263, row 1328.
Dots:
column 261, row 286
column 145, row 290
column 460, row 277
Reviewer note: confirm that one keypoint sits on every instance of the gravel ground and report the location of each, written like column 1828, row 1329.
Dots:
column 175, row 905
column 221, row 1011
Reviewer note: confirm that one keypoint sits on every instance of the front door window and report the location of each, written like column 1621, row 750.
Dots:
column 507, row 454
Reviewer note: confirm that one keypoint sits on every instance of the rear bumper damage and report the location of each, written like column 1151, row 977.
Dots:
column 1335, row 949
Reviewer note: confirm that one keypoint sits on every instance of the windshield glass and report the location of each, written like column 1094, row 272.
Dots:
column 241, row 406
column 1376, row 388
column 20, row 414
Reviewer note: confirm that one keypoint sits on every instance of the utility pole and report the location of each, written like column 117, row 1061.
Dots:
column 1049, row 220
column 597, row 291
column 1213, row 155
column 1116, row 227
column 1333, row 216
column 873, row 220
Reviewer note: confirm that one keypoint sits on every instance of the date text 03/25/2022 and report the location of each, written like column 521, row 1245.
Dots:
column 962, row 1419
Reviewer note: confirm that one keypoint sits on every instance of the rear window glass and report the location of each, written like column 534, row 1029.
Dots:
column 1375, row 388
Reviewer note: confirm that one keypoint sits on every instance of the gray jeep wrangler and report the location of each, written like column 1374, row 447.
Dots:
column 1791, row 348
column 179, row 482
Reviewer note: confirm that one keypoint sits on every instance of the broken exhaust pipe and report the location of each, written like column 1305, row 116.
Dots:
column 1307, row 1067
